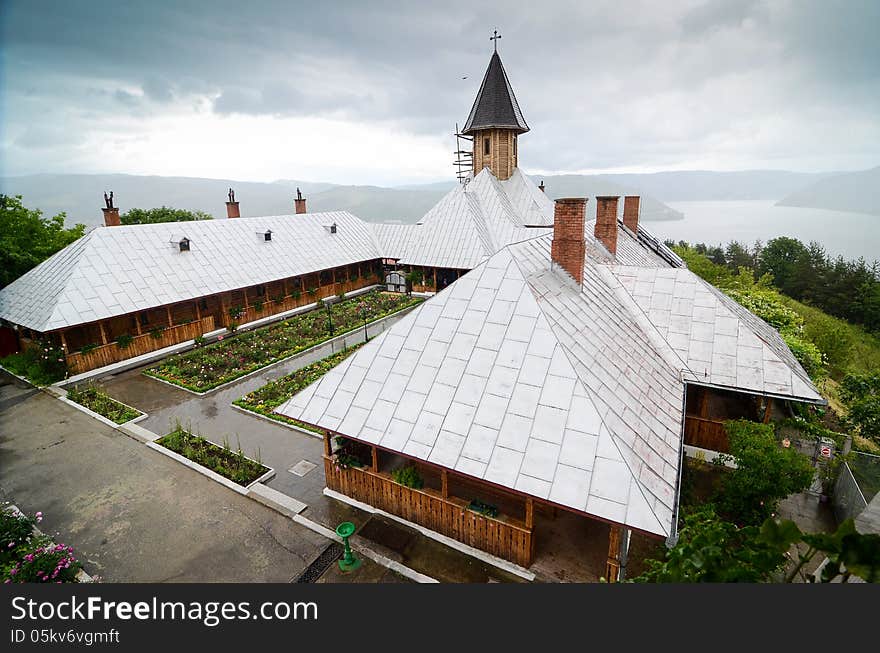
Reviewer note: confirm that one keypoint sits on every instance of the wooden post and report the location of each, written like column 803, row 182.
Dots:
column 435, row 279
column 198, row 311
column 444, row 483
column 168, row 313
column 284, row 286
column 768, row 409
column 530, row 513
column 612, row 566
column 63, row 341
column 328, row 447
column 103, row 333
column 137, row 324
column 704, row 402
column 375, row 453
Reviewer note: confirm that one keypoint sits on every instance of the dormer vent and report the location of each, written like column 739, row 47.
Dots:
column 183, row 244
column 267, row 235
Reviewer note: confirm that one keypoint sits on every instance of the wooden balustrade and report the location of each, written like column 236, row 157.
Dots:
column 270, row 307
column 706, row 433
column 501, row 536
column 79, row 362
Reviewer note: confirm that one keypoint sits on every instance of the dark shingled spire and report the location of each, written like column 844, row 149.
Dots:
column 495, row 106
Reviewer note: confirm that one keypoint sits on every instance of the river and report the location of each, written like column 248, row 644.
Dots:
column 849, row 234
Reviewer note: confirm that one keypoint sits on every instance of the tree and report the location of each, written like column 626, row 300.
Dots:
column 765, row 472
column 781, row 258
column 27, row 238
column 161, row 214
column 710, row 550
column 861, row 396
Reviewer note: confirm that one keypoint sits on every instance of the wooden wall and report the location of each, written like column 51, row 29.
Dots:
column 504, row 537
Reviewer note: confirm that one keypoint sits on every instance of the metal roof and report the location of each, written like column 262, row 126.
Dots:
column 117, row 270
column 470, row 223
column 495, row 105
column 485, row 378
column 720, row 342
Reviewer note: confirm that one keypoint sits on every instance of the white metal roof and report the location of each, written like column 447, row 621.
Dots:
column 116, row 270
column 470, row 223
column 485, row 378
column 720, row 342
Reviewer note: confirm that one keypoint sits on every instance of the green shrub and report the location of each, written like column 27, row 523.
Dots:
column 43, row 363
column 124, row 341
column 806, row 353
column 198, row 341
column 235, row 312
column 85, row 349
column 258, row 306
column 100, row 402
column 408, row 476
column 765, row 473
column 157, row 332
column 861, row 397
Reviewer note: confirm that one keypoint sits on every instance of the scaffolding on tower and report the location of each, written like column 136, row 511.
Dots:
column 464, row 159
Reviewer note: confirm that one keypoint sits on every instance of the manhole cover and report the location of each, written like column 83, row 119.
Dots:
column 302, row 468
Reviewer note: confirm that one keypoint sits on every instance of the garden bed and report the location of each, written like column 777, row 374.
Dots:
column 29, row 556
column 100, row 402
column 235, row 356
column 232, row 465
column 263, row 401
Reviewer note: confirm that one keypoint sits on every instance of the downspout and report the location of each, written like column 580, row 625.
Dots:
column 672, row 540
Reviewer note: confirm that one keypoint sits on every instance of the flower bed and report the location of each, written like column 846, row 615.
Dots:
column 265, row 400
column 26, row 556
column 103, row 404
column 207, row 367
column 233, row 465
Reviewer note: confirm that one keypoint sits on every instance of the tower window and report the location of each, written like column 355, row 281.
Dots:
column 485, row 146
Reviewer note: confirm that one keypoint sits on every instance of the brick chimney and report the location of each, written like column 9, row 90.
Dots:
column 111, row 213
column 300, row 202
column 606, row 222
column 232, row 210
column 568, row 248
column 631, row 212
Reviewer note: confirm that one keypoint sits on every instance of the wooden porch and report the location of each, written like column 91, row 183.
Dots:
column 707, row 410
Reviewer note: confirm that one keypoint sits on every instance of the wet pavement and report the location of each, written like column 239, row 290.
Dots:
column 281, row 448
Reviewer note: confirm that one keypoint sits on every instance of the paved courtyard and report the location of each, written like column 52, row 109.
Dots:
column 131, row 513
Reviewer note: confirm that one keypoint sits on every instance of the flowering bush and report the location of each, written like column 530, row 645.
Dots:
column 213, row 365
column 42, row 363
column 28, row 557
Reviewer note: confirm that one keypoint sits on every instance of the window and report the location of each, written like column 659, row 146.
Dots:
column 485, row 146
column 184, row 245
column 514, row 146
column 267, row 236
column 203, row 304
column 261, row 291
column 144, row 320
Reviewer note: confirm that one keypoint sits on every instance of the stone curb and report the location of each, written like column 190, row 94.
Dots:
column 292, row 427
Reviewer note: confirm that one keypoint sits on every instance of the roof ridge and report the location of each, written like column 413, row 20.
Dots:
column 588, row 393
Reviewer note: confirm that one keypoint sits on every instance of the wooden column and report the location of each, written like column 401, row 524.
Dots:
column 328, row 447
column 375, row 453
column 435, row 279
column 530, row 513
column 704, row 402
column 137, row 324
column 168, row 313
column 63, row 341
column 768, row 410
column 444, row 483
column 284, row 286
column 103, row 333
column 198, row 311
column 612, row 566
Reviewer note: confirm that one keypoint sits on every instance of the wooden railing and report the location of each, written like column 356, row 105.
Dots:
column 270, row 307
column 706, row 433
column 78, row 362
column 504, row 537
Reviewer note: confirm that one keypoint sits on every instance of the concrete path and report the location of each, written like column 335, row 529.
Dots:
column 133, row 514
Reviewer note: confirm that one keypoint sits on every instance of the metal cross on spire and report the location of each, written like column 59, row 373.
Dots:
column 495, row 36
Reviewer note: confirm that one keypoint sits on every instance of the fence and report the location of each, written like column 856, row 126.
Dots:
column 849, row 500
column 112, row 353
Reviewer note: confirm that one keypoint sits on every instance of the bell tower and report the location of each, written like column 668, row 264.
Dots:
column 495, row 121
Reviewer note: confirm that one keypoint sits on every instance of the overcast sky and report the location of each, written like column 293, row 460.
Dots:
column 369, row 92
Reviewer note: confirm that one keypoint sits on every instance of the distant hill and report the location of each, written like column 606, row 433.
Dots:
column 858, row 192
column 701, row 185
column 592, row 185
column 80, row 196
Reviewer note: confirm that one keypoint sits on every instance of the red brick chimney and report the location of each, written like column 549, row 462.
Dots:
column 568, row 248
column 300, row 202
column 606, row 222
column 631, row 213
column 111, row 213
column 232, row 210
